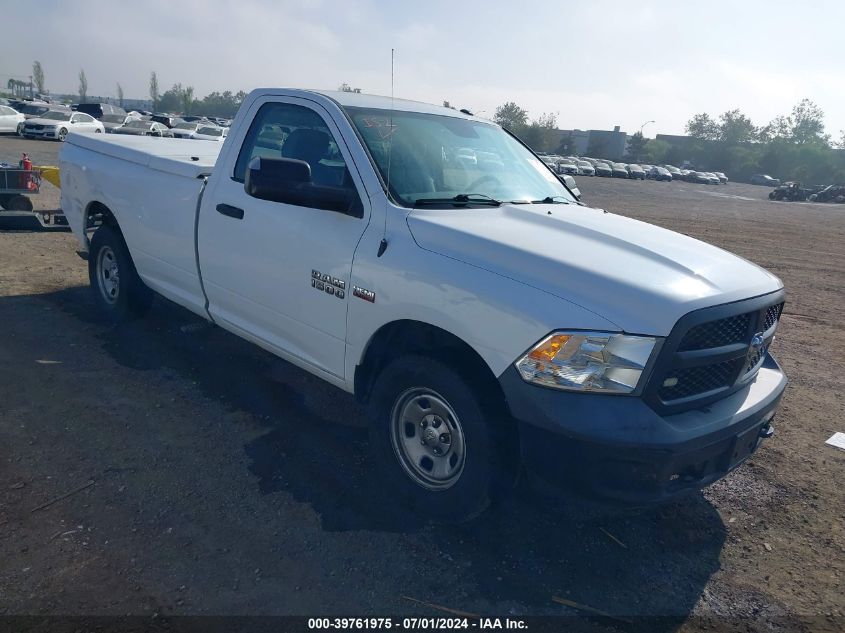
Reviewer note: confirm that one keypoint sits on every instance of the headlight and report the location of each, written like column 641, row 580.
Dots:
column 587, row 361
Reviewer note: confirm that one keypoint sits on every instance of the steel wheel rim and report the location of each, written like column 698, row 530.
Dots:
column 108, row 275
column 62, row 134
column 428, row 438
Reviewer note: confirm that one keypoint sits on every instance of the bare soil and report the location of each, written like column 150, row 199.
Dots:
column 227, row 482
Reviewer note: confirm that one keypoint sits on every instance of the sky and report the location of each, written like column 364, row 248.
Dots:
column 595, row 64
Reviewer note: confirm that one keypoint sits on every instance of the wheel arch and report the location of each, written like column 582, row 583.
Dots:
column 407, row 336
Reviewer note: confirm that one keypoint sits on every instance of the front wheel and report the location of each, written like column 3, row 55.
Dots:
column 435, row 443
column 118, row 290
column 62, row 134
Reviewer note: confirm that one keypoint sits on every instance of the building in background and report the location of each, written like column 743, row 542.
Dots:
column 609, row 144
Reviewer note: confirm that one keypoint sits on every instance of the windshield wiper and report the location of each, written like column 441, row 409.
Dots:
column 461, row 199
column 553, row 200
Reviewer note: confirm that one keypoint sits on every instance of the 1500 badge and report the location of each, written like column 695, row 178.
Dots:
column 328, row 284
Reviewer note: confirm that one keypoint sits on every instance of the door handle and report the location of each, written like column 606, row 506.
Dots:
column 232, row 212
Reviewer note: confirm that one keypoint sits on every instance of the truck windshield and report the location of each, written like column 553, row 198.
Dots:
column 438, row 157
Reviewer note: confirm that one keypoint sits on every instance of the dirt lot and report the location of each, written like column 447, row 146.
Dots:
column 228, row 482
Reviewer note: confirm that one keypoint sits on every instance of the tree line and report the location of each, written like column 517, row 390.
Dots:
column 177, row 98
column 791, row 147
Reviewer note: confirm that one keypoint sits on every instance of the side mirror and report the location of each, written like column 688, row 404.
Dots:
column 569, row 181
column 288, row 181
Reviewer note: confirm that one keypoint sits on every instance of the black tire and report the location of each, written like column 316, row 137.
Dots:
column 119, row 297
column 486, row 469
column 17, row 202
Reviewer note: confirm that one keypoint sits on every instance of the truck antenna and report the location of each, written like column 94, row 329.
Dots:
column 383, row 244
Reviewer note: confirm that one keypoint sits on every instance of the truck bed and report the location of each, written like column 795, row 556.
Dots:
column 181, row 157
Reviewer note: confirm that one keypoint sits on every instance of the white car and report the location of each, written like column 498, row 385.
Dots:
column 56, row 124
column 211, row 133
column 186, row 129
column 585, row 168
column 10, row 119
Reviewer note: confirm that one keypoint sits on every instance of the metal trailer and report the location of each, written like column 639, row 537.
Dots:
column 16, row 185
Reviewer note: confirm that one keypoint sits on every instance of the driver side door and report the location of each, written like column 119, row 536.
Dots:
column 279, row 273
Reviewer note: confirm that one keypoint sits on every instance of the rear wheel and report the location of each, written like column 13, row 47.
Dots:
column 15, row 202
column 20, row 129
column 437, row 448
column 118, row 290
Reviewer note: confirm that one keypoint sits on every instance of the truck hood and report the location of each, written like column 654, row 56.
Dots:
column 639, row 276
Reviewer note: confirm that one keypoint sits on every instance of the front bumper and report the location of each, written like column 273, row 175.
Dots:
column 617, row 447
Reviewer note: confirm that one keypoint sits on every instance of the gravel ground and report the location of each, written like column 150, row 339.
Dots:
column 208, row 477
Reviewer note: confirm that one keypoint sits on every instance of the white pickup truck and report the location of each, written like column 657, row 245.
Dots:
column 428, row 262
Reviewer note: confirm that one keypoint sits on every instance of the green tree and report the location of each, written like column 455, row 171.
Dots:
column 566, row 146
column 808, row 123
column 154, row 94
column 841, row 142
column 703, row 127
column 636, row 147
column 187, row 100
column 511, row 117
column 540, row 135
column 656, row 152
column 736, row 128
column 120, row 94
column 222, row 104
column 83, row 86
column 38, row 77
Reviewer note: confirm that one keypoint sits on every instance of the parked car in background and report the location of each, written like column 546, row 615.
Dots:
column 646, row 169
column 636, row 172
column 764, row 179
column 10, row 119
column 186, row 129
column 112, row 121
column 620, row 170
column 214, row 133
column 672, row 170
column 168, row 120
column 566, row 167
column 701, row 178
column 144, row 128
column 714, row 179
column 32, row 110
column 603, row 169
column 721, row 176
column 57, row 124
column 660, row 173
column 585, row 168
column 99, row 110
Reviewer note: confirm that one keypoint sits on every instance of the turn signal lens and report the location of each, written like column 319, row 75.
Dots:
column 548, row 349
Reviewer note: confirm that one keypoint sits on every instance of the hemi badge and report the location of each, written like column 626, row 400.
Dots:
column 363, row 293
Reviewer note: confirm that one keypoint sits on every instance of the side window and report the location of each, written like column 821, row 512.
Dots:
column 283, row 130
